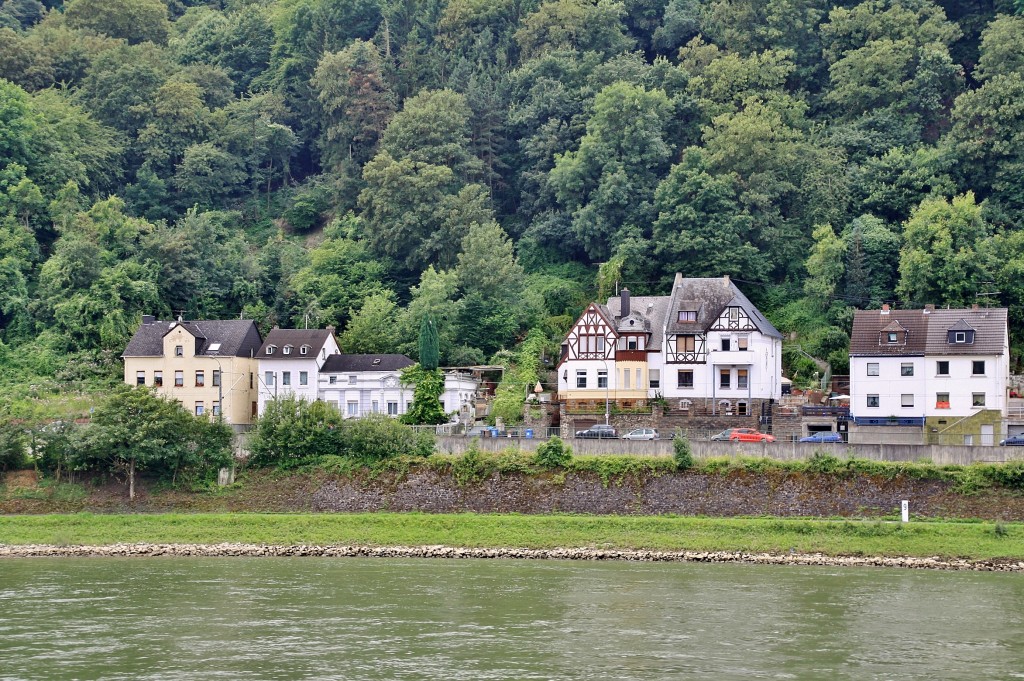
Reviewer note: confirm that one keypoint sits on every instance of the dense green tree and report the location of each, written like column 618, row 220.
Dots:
column 574, row 25
column 372, row 328
column 429, row 350
column 609, row 182
column 135, row 21
column 939, row 262
column 135, row 430
column 824, row 265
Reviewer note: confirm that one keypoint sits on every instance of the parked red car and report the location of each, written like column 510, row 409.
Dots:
column 744, row 435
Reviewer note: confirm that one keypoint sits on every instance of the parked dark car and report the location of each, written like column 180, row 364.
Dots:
column 1013, row 441
column 600, row 431
column 824, row 436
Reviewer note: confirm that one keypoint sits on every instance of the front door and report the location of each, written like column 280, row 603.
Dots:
column 988, row 435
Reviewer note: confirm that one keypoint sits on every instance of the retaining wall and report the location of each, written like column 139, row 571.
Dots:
column 938, row 454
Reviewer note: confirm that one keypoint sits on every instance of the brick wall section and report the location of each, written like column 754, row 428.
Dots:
column 681, row 493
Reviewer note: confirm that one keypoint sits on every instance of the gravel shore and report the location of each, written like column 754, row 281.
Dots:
column 261, row 550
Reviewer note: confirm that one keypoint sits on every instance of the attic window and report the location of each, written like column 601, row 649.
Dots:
column 270, row 349
column 687, row 315
column 214, row 347
column 304, row 349
column 376, row 361
column 288, row 349
column 893, row 337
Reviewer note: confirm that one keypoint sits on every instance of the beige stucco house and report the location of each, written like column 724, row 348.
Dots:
column 207, row 365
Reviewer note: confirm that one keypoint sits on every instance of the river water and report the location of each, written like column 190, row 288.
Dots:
column 314, row 618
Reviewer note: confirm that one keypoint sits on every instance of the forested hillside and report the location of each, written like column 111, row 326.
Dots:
column 496, row 164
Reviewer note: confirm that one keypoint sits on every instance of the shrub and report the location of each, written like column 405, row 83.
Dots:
column 681, row 451
column 377, row 437
column 553, row 453
column 822, row 462
column 13, row 445
column 473, row 466
column 292, row 432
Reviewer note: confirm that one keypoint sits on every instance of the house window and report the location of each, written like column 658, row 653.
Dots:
column 304, row 350
column 270, row 349
column 179, row 379
column 631, row 343
column 724, row 378
column 872, row 400
column 977, row 399
column 352, row 408
column 200, row 379
column 734, row 314
column 872, row 368
column 687, row 316
column 726, row 344
column 907, row 369
column 375, row 406
column 286, row 378
column 250, row 380
column 602, row 379
column 287, row 349
column 625, row 379
column 639, row 380
column 179, row 351
column 392, row 408
column 942, row 368
column 892, row 337
column 269, row 378
column 140, row 378
column 686, row 343
column 654, row 378
column 352, row 380
column 332, row 380
column 684, row 405
column 581, row 378
column 741, row 408
column 906, row 400
column 303, row 378
column 216, row 408
column 960, row 337
column 158, row 378
column 216, row 377
column 741, row 343
column 942, row 400
column 599, row 344
column 978, row 367
column 741, row 379
column 199, row 408
column 684, row 379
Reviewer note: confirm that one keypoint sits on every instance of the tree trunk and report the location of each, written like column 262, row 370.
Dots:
column 131, row 480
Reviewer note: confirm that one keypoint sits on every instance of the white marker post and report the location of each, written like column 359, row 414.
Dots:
column 905, row 508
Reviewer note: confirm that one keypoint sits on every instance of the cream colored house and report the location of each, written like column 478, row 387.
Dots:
column 209, row 366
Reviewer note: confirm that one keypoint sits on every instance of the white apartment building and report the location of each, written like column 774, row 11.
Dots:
column 290, row 361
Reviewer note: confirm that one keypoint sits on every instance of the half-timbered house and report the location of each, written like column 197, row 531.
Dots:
column 705, row 346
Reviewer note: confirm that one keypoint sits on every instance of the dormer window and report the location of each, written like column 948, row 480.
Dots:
column 304, row 350
column 288, row 349
column 687, row 315
column 961, row 337
column 271, row 349
column 893, row 337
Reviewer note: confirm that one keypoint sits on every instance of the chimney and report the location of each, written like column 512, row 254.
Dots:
column 624, row 303
column 148, row 319
column 885, row 308
column 929, row 308
column 974, row 306
column 330, row 329
column 725, row 281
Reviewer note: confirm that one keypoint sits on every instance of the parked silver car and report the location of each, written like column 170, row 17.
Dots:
column 641, row 434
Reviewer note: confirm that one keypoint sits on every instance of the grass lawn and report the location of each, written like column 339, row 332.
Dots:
column 973, row 540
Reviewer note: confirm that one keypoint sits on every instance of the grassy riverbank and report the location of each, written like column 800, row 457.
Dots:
column 973, row 540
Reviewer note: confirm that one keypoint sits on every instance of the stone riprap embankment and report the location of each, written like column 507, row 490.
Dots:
column 264, row 550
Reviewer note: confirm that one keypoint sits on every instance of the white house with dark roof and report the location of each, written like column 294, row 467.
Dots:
column 208, row 366
column 290, row 362
column 705, row 345
column 944, row 371
column 359, row 385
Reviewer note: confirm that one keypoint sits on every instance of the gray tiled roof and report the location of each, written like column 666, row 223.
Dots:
column 711, row 296
column 648, row 310
column 989, row 324
column 339, row 364
column 237, row 337
column 927, row 332
column 314, row 338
